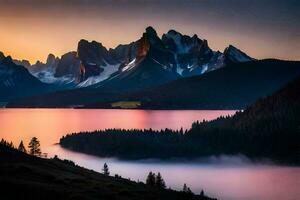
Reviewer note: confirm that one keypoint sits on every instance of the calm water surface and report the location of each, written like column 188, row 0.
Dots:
column 224, row 177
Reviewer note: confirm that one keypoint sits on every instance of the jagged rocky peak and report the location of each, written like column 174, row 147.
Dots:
column 8, row 67
column 2, row 56
column 51, row 60
column 94, row 53
column 40, row 67
column 182, row 44
column 235, row 55
column 151, row 32
column 151, row 36
column 143, row 47
column 24, row 63
column 7, row 60
column 69, row 64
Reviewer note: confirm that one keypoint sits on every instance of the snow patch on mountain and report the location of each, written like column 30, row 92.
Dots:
column 129, row 66
column 108, row 71
column 47, row 76
column 163, row 66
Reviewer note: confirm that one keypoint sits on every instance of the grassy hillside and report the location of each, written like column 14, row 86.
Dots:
column 27, row 177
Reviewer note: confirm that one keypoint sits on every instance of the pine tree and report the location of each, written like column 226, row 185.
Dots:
column 2, row 141
column 189, row 191
column 105, row 170
column 21, row 147
column 159, row 181
column 34, row 147
column 185, row 188
column 202, row 193
column 11, row 145
column 150, row 179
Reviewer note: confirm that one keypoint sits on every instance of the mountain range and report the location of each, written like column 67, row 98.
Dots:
column 167, row 58
column 96, row 76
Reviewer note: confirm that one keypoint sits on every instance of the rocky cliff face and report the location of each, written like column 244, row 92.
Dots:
column 143, row 47
column 69, row 64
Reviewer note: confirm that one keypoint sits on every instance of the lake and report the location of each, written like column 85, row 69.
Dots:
column 221, row 177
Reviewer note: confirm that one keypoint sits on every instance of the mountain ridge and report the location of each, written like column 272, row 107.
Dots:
column 93, row 63
column 232, row 87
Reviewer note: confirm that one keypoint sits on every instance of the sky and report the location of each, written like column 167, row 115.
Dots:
column 31, row 29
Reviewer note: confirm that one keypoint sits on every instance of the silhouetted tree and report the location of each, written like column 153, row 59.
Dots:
column 105, row 170
column 202, row 193
column 22, row 147
column 150, row 179
column 185, row 188
column 34, row 147
column 189, row 191
column 159, row 181
column 11, row 145
column 6, row 143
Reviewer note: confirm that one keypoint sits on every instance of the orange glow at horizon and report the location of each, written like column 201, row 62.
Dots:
column 32, row 34
column 50, row 125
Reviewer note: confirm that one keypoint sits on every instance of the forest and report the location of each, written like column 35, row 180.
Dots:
column 269, row 128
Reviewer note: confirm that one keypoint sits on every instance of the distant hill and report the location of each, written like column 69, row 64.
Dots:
column 270, row 128
column 30, row 178
column 233, row 87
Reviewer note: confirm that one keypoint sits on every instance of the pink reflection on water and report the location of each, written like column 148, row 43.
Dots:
column 221, row 180
column 50, row 124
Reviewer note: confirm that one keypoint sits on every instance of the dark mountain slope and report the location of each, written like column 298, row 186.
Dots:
column 147, row 74
column 16, row 81
column 232, row 87
column 31, row 178
column 149, row 68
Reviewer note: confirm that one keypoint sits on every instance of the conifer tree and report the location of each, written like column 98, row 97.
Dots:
column 22, row 147
column 34, row 147
column 185, row 188
column 105, row 170
column 202, row 193
column 150, row 179
column 159, row 181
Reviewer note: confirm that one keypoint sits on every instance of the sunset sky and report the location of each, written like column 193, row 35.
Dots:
column 31, row 29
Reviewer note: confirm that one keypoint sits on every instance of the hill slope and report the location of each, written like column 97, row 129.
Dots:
column 35, row 178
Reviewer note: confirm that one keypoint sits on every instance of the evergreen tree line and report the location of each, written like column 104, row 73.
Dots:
column 154, row 180
column 268, row 128
column 34, row 147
